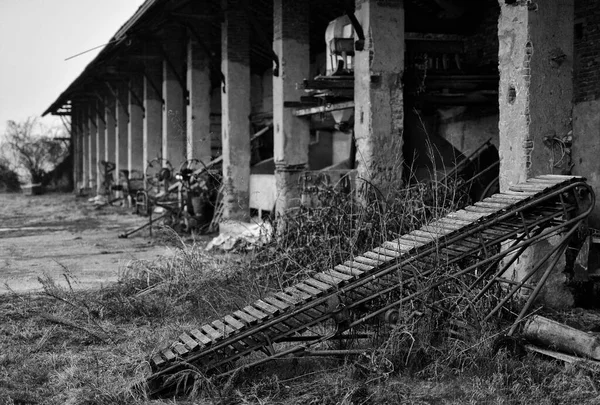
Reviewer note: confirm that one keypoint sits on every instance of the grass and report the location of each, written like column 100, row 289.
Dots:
column 91, row 347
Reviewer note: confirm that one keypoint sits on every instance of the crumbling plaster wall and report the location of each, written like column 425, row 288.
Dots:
column 535, row 99
column 536, row 86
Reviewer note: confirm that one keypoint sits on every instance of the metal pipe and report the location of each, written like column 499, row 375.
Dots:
column 538, row 288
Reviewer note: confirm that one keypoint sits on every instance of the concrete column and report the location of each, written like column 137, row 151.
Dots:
column 84, row 147
column 100, row 145
column 110, row 132
column 291, row 43
column 122, row 154
column 198, row 108
column 153, row 116
column 93, row 133
column 78, row 148
column 235, row 104
column 535, row 98
column 135, row 131
column 378, row 93
column 536, row 85
column 173, row 120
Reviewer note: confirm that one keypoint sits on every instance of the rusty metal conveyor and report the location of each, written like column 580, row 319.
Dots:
column 529, row 212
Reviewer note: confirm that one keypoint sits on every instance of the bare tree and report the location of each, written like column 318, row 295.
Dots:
column 34, row 149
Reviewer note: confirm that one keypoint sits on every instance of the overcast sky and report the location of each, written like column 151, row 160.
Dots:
column 36, row 36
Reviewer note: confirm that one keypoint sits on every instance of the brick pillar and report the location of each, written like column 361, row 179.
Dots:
column 535, row 98
column 93, row 133
column 235, row 104
column 378, row 93
column 173, row 119
column 291, row 43
column 153, row 105
column 121, row 157
column 536, row 85
column 100, row 145
column 198, row 107
column 135, row 130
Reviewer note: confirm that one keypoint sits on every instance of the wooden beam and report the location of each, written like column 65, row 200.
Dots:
column 303, row 112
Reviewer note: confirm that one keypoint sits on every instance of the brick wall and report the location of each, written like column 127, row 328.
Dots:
column 586, row 67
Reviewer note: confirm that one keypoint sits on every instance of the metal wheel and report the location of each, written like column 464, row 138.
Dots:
column 157, row 171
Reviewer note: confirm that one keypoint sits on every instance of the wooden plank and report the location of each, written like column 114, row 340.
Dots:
column 561, row 177
column 348, row 270
column 536, row 187
column 308, row 289
column 337, row 274
column 246, row 317
column 439, row 230
column 179, row 348
column 211, row 332
column 365, row 265
column 263, row 306
column 491, row 204
column 394, row 246
column 276, row 303
column 379, row 257
column 482, row 210
column 500, row 200
column 255, row 313
column 465, row 215
column 424, row 234
column 306, row 294
column 416, row 241
column 200, row 337
column 366, row 261
column 328, row 279
column 388, row 252
column 222, row 327
column 158, row 360
column 234, row 323
column 169, row 355
column 289, row 299
column 516, row 197
column 189, row 342
column 318, row 284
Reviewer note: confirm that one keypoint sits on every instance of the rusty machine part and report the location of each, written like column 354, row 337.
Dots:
column 374, row 285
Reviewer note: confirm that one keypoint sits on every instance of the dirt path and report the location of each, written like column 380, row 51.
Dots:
column 54, row 234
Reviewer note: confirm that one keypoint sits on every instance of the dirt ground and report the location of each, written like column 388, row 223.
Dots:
column 57, row 234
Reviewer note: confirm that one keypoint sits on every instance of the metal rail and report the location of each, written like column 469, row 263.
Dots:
column 530, row 212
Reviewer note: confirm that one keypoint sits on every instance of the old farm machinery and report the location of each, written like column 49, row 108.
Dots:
column 182, row 198
column 472, row 248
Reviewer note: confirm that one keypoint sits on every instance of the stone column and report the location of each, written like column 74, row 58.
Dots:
column 135, row 130
column 291, row 43
column 198, row 108
column 153, row 103
column 100, row 145
column 536, row 85
column 378, row 93
column 93, row 133
column 535, row 98
column 121, row 158
column 173, row 118
column 235, row 104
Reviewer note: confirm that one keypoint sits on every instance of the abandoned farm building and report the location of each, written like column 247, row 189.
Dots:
column 285, row 89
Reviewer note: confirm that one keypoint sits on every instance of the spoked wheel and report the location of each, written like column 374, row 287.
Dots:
column 157, row 171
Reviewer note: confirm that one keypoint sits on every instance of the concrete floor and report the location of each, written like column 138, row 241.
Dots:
column 57, row 234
